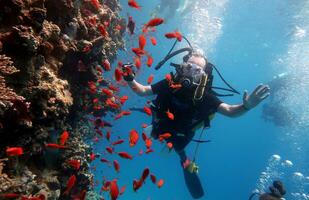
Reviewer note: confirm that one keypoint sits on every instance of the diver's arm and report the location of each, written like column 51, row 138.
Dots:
column 232, row 110
column 140, row 89
column 249, row 102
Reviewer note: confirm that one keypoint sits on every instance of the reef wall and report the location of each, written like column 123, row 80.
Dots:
column 51, row 55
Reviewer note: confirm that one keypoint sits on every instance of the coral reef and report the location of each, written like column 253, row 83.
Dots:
column 7, row 95
column 51, row 52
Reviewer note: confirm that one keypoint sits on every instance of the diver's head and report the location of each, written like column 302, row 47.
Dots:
column 192, row 70
column 198, row 59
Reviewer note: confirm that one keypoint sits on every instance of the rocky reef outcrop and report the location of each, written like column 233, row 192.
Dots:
column 51, row 65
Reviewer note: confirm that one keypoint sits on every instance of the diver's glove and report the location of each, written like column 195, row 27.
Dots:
column 128, row 73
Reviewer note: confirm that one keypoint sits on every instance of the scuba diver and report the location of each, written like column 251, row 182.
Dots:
column 193, row 105
column 274, row 110
column 277, row 191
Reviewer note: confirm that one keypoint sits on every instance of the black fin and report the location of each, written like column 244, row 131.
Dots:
column 193, row 184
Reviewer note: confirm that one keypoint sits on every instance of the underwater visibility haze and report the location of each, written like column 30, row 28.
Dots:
column 111, row 99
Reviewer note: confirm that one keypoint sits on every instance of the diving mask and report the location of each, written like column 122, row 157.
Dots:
column 192, row 74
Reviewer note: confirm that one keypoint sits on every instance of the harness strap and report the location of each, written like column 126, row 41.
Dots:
column 197, row 145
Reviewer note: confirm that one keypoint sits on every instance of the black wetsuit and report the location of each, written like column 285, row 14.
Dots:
column 187, row 114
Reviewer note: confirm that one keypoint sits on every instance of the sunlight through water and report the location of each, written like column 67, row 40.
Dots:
column 204, row 23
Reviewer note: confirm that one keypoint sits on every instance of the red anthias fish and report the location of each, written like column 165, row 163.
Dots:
column 119, row 64
column 74, row 163
column 99, row 69
column 118, row 74
column 138, row 52
column 137, row 184
column 164, row 136
column 14, row 151
column 111, row 104
column 149, row 61
column 109, row 150
column 137, row 62
column 145, row 174
column 106, row 186
column 131, row 26
column 70, row 184
column 118, row 116
column 154, row 22
column 113, row 88
column 150, row 79
column 116, row 166
column 153, row 178
column 108, row 135
column 153, row 41
column 134, row 4
column 148, row 143
column 170, row 115
column 147, row 110
column 142, row 41
column 92, row 87
column 114, row 191
column 106, row 65
column 175, row 34
column 102, row 30
column 168, row 77
column 99, row 123
column 149, row 150
column 144, row 136
column 64, row 137
column 99, row 132
column 160, row 183
column 56, row 146
column 9, row 196
column 126, row 112
column 118, row 142
column 169, row 145
column 107, row 92
column 125, row 155
column 103, row 160
column 118, row 27
column 92, row 156
column 96, row 4
column 133, row 138
column 123, row 188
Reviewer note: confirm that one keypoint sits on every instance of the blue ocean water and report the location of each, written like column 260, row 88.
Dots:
column 250, row 42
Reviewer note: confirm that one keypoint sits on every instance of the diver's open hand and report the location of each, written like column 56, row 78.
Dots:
column 256, row 97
